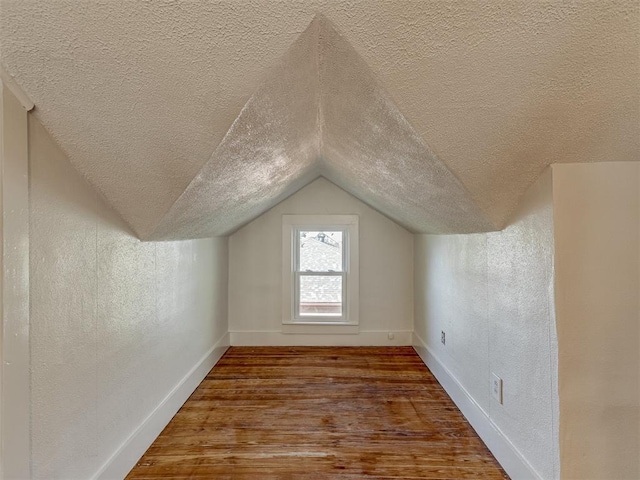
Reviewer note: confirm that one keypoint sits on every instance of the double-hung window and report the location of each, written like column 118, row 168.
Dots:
column 320, row 279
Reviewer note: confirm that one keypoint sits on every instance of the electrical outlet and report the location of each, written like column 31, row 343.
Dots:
column 496, row 388
column 443, row 338
column 391, row 335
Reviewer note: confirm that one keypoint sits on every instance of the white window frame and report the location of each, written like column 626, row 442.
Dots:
column 291, row 225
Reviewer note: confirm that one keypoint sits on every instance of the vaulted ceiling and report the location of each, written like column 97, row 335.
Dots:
column 192, row 118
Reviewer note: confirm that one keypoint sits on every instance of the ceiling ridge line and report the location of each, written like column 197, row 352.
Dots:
column 320, row 112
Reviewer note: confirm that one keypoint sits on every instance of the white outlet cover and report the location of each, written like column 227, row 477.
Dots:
column 496, row 387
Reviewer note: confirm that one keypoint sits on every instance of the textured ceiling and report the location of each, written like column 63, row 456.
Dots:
column 321, row 112
column 147, row 100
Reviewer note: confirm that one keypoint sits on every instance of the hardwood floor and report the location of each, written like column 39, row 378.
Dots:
column 318, row 413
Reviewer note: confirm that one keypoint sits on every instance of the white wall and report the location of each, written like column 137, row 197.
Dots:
column 492, row 294
column 386, row 273
column 116, row 324
column 597, row 218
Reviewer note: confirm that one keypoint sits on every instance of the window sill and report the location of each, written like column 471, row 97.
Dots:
column 321, row 328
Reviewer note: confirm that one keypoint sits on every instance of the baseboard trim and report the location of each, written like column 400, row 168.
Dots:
column 279, row 339
column 513, row 462
column 128, row 454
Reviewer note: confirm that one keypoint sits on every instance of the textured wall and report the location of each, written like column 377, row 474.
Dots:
column 115, row 323
column 597, row 211
column 385, row 250
column 493, row 296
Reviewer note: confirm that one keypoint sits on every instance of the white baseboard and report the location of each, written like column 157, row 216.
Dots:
column 513, row 462
column 125, row 458
column 280, row 339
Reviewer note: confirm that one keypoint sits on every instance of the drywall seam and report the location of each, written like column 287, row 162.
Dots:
column 511, row 459
column 128, row 454
column 276, row 338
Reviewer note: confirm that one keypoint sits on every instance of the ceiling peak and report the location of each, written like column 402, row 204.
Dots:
column 321, row 111
column 439, row 114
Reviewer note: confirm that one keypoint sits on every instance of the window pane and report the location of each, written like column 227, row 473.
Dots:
column 321, row 295
column 320, row 251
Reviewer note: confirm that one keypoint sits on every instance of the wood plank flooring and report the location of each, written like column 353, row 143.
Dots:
column 318, row 413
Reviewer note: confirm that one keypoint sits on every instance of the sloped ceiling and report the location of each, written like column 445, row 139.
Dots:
column 192, row 118
column 321, row 112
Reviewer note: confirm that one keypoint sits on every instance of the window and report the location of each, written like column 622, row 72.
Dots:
column 320, row 271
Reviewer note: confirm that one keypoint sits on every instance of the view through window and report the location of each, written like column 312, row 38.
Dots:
column 320, row 273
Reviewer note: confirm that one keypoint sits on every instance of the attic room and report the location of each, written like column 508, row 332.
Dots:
column 467, row 174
